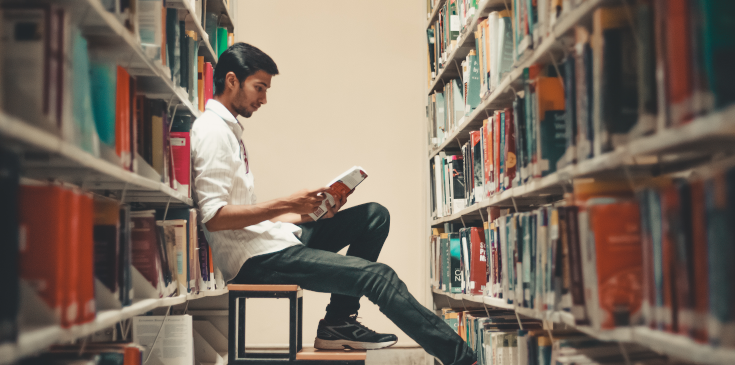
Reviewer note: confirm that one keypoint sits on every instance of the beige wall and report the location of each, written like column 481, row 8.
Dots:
column 350, row 92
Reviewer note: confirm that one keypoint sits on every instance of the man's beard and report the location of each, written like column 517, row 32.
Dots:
column 242, row 110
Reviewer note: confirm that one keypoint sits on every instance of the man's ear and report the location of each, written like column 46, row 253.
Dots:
column 231, row 80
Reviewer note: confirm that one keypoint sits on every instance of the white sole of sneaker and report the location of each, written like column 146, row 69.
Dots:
column 355, row 345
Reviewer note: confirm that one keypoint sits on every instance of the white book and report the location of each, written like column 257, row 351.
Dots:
column 343, row 185
column 27, row 88
column 169, row 343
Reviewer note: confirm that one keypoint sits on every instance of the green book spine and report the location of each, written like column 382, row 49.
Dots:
column 221, row 40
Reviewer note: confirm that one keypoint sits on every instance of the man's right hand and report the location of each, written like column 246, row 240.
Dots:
column 306, row 201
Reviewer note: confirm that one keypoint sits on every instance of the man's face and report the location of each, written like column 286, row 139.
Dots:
column 251, row 93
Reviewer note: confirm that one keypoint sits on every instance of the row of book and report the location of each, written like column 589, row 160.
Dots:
column 607, row 256
column 497, row 339
column 606, row 91
column 82, row 253
column 164, row 340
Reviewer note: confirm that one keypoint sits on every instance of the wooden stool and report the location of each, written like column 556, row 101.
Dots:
column 236, row 339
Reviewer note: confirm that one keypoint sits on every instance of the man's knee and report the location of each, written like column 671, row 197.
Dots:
column 379, row 214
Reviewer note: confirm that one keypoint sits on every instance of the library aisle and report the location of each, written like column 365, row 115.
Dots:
column 582, row 175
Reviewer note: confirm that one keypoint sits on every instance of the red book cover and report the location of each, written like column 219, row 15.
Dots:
column 87, row 306
column 488, row 157
column 496, row 150
column 122, row 118
column 678, row 61
column 700, row 287
column 181, row 156
column 43, row 232
column 208, row 87
column 478, row 265
column 619, row 262
column 70, row 314
column 510, row 149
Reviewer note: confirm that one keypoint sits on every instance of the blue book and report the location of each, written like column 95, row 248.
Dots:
column 720, row 215
column 82, row 96
column 103, row 77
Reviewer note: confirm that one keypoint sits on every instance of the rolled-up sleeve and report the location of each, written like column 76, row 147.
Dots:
column 214, row 166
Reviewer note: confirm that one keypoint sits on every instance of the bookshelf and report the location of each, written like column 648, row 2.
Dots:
column 46, row 156
column 35, row 339
column 695, row 145
column 192, row 21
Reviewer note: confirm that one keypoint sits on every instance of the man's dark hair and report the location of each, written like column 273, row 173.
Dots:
column 244, row 60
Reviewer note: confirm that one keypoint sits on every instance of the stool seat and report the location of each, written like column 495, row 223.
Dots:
column 310, row 353
column 262, row 287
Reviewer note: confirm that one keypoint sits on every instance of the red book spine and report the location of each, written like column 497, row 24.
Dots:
column 145, row 257
column 496, row 150
column 122, row 118
column 208, row 87
column 43, row 235
column 71, row 308
column 87, row 306
column 478, row 266
column 488, row 158
column 181, row 156
column 679, row 64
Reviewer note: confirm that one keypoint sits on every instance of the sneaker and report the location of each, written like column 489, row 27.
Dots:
column 350, row 334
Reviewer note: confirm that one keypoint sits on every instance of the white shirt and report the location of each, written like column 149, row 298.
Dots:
column 222, row 176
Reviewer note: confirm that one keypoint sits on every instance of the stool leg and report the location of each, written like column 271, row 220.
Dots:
column 232, row 329
column 292, row 301
column 299, row 341
column 241, row 328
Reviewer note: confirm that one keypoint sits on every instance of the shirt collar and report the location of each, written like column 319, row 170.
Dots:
column 217, row 108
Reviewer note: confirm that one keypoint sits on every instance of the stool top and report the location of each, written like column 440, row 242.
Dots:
column 259, row 287
column 310, row 353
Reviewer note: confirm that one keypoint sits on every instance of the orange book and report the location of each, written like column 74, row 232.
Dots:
column 550, row 97
column 679, row 82
column 43, row 260
column 122, row 118
column 163, row 33
column 70, row 251
column 613, row 284
column 200, row 82
column 87, row 306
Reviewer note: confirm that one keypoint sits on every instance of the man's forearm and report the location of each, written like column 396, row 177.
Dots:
column 294, row 218
column 239, row 216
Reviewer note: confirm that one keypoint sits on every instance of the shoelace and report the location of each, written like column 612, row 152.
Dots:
column 354, row 318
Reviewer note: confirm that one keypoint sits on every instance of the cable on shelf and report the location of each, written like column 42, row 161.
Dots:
column 625, row 353
column 168, row 309
column 518, row 318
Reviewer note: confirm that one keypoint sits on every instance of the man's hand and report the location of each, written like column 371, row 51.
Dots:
column 306, row 201
column 339, row 202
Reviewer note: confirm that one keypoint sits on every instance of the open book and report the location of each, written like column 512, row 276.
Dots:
column 343, row 185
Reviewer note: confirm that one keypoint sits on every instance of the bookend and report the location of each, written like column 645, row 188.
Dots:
column 237, row 355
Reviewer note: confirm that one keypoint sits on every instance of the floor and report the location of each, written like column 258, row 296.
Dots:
column 397, row 356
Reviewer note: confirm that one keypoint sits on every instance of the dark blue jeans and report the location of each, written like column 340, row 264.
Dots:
column 316, row 266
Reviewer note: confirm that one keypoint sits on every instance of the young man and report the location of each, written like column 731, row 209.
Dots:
column 275, row 242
